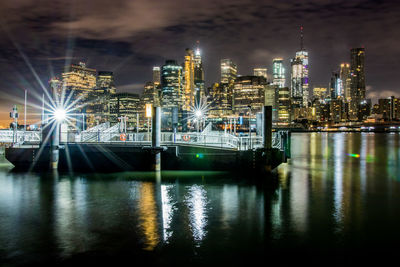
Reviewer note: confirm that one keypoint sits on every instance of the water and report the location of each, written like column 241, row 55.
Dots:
column 336, row 202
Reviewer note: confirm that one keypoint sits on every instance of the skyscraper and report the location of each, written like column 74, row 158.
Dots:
column 171, row 83
column 228, row 71
column 278, row 72
column 357, row 66
column 198, row 75
column 79, row 80
column 156, row 76
column 300, row 83
column 79, row 83
column 346, row 80
column 189, row 91
column 261, row 72
column 335, row 86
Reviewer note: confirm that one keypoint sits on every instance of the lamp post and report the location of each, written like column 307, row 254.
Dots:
column 249, row 125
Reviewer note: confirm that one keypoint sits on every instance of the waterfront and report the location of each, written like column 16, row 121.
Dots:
column 337, row 200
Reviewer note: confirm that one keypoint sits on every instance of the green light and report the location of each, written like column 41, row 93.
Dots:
column 199, row 156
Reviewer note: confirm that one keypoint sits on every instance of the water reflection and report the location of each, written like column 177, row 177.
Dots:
column 196, row 200
column 148, row 215
column 167, row 211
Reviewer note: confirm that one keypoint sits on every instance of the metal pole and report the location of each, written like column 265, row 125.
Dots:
column 250, row 127
column 267, row 127
column 55, row 143
column 42, row 109
column 137, row 122
column 156, row 136
column 148, row 128
column 25, row 112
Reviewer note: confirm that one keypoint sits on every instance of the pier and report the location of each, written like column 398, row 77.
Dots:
column 106, row 147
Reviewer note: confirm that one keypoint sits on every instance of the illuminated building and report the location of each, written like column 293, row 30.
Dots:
column 336, row 110
column 156, row 76
column 124, row 104
column 248, row 91
column 97, row 108
column 364, row 109
column 335, row 86
column 171, row 85
column 198, row 75
column 79, row 80
column 284, row 106
column 322, row 109
column 105, row 82
column 228, row 71
column 189, row 91
column 262, row 72
column 278, row 73
column 389, row 108
column 219, row 101
column 346, row 80
column 299, row 80
column 320, row 92
column 357, row 66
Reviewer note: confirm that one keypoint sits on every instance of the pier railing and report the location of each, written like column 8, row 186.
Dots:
column 113, row 135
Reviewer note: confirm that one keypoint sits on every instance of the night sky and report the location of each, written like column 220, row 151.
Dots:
column 129, row 37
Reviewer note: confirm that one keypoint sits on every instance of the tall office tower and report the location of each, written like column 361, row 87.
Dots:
column 278, row 72
column 228, row 71
column 156, row 76
column 171, row 84
column 284, row 106
column 262, row 72
column 98, row 105
column 248, row 91
column 335, row 86
column 346, row 80
column 300, row 83
column 79, row 82
column 105, row 82
column 357, row 66
column 189, row 91
column 198, row 75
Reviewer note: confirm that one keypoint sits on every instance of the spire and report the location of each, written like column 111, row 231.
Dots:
column 301, row 39
column 197, row 51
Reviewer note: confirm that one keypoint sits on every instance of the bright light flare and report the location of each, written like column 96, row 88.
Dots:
column 198, row 113
column 60, row 114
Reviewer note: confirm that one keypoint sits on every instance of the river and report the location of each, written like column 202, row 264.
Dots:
column 337, row 201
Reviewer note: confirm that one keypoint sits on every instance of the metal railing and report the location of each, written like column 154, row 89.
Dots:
column 113, row 135
column 11, row 136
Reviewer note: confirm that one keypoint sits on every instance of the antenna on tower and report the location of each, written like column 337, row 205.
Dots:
column 197, row 52
column 301, row 38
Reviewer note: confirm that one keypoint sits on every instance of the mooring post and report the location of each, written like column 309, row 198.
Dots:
column 55, row 145
column 156, row 136
column 267, row 127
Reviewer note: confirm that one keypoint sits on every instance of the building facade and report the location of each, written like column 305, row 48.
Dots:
column 278, row 73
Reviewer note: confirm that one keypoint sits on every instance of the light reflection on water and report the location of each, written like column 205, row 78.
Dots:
column 323, row 194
